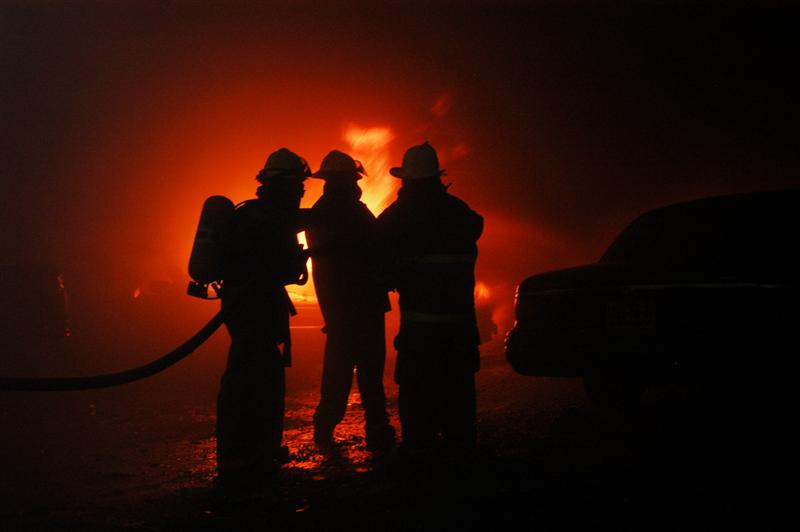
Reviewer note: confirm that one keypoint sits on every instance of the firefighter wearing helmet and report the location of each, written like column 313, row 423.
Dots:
column 352, row 303
column 262, row 256
column 430, row 246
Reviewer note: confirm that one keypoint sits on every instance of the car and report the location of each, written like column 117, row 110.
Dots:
column 699, row 291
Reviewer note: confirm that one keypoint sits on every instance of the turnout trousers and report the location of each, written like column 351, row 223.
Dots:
column 250, row 405
column 353, row 346
column 437, row 400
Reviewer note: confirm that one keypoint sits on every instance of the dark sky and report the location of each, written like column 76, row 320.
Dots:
column 558, row 121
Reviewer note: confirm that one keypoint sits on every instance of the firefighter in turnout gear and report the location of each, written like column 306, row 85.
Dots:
column 261, row 257
column 352, row 303
column 429, row 240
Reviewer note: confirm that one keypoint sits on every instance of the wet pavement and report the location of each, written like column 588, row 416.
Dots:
column 128, row 459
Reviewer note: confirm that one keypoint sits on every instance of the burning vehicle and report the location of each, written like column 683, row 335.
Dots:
column 702, row 290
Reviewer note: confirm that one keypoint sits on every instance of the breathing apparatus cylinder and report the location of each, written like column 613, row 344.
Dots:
column 205, row 261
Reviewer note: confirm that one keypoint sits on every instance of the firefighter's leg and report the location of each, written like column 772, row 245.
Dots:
column 370, row 362
column 270, row 402
column 337, row 378
column 417, row 402
column 250, row 405
column 458, row 409
column 236, row 446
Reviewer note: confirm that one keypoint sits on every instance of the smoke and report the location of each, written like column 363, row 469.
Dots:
column 558, row 126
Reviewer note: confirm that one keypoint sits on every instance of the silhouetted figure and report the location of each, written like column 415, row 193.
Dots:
column 430, row 241
column 263, row 256
column 352, row 303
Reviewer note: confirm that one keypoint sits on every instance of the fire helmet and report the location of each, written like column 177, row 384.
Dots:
column 284, row 164
column 419, row 162
column 339, row 165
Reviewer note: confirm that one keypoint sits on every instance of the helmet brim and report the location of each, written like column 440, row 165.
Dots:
column 400, row 173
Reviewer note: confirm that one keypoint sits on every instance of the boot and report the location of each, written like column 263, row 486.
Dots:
column 381, row 438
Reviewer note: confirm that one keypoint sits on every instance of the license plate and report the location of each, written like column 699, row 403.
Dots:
column 631, row 314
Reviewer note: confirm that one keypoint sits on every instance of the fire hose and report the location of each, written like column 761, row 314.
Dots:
column 58, row 384
column 215, row 207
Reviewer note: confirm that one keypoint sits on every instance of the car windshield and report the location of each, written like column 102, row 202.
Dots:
column 733, row 234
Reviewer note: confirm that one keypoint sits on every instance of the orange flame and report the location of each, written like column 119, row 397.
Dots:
column 307, row 292
column 137, row 293
column 371, row 147
column 301, row 239
column 482, row 292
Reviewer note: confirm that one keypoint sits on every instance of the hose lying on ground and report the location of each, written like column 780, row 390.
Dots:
column 32, row 384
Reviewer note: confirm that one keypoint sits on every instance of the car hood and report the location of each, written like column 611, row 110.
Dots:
column 605, row 275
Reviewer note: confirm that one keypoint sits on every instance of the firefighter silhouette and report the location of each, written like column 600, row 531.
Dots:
column 261, row 257
column 351, row 301
column 429, row 239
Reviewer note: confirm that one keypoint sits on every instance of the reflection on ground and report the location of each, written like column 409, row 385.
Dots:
column 127, row 458
column 193, row 463
column 349, row 456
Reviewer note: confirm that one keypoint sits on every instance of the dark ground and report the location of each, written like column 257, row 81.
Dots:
column 141, row 457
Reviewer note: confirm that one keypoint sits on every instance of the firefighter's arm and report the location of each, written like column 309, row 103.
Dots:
column 471, row 226
column 384, row 253
column 298, row 266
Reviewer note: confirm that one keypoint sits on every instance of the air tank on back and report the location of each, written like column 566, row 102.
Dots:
column 205, row 262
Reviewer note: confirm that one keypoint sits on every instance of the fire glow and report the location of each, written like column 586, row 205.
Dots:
column 371, row 147
column 482, row 292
